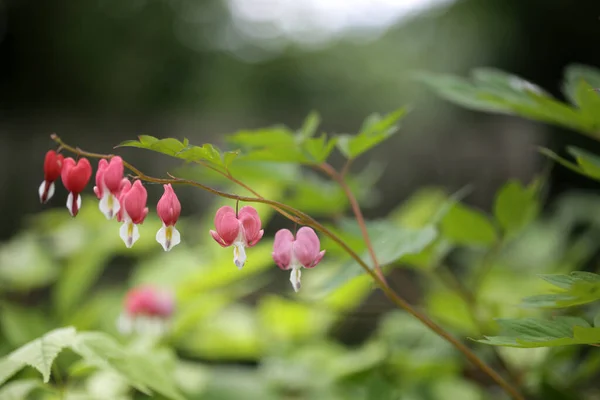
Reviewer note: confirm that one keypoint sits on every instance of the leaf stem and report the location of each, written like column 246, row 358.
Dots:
column 303, row 218
column 360, row 220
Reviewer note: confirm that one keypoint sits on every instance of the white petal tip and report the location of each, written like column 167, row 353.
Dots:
column 168, row 237
column 46, row 191
column 129, row 233
column 109, row 205
column 73, row 207
column 239, row 255
column 295, row 279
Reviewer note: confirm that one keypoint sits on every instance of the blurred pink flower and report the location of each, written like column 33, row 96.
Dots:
column 146, row 310
column 304, row 251
column 241, row 230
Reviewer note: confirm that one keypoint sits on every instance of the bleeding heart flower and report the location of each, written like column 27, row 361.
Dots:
column 75, row 177
column 146, row 310
column 52, row 167
column 133, row 210
column 241, row 230
column 168, row 209
column 290, row 253
column 108, row 185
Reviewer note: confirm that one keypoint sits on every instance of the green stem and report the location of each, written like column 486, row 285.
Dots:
column 303, row 218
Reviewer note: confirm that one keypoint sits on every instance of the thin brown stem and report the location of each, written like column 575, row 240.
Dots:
column 449, row 279
column 360, row 220
column 303, row 218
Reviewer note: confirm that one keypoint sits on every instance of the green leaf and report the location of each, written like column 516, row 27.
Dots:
column 390, row 244
column 310, row 125
column 375, row 130
column 319, row 148
column 228, row 158
column 18, row 390
column 564, row 162
column 8, row 368
column 588, row 162
column 498, row 92
column 40, row 353
column 174, row 148
column 142, row 370
column 466, row 226
column 515, row 206
column 575, row 289
column 531, row 332
column 574, row 75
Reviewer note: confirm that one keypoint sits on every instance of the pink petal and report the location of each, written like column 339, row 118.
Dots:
column 282, row 248
column 250, row 220
column 134, row 202
column 99, row 188
column 168, row 207
column 218, row 238
column 307, row 246
column 227, row 225
column 113, row 174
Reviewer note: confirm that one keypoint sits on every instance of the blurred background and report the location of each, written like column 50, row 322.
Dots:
column 99, row 72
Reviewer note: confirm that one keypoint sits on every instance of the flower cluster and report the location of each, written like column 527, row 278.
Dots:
column 118, row 196
column 243, row 229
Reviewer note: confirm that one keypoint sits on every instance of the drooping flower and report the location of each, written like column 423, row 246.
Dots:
column 147, row 310
column 241, row 230
column 108, row 185
column 303, row 251
column 168, row 209
column 52, row 167
column 133, row 210
column 75, row 176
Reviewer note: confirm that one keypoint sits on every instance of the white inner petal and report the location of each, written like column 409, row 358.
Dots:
column 168, row 237
column 129, row 233
column 70, row 203
column 295, row 278
column 239, row 254
column 109, row 205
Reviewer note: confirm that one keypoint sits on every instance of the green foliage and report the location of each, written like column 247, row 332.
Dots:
column 375, row 129
column 576, row 288
column 587, row 164
column 183, row 150
column 515, row 206
column 530, row 332
column 40, row 353
column 465, row 226
column 496, row 91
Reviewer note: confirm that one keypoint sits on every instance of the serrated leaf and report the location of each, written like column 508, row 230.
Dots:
column 531, row 332
column 140, row 370
column 467, row 226
column 174, row 148
column 575, row 289
column 515, row 206
column 40, row 353
column 375, row 130
column 18, row 390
